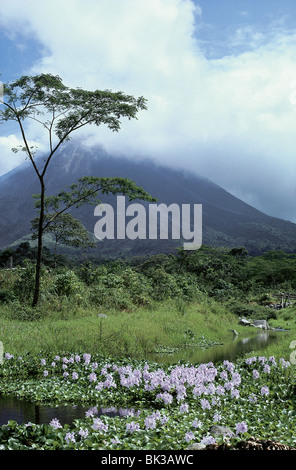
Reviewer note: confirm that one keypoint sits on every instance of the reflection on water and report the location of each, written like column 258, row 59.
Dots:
column 230, row 351
column 24, row 411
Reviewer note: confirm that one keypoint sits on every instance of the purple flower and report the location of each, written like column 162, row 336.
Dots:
column 150, row 422
column 217, row 417
column 83, row 433
column 253, row 398
column 241, row 427
column 92, row 377
column 70, row 437
column 43, row 362
column 189, row 436
column 86, row 358
column 184, row 408
column 205, row 404
column 55, row 423
column 284, row 363
column 255, row 374
column 132, row 427
column 249, row 360
column 264, row 391
column 98, row 425
column 207, row 440
column 9, row 356
column 235, row 393
column 99, row 386
column 196, row 423
column 74, row 376
column 220, row 390
column 166, row 397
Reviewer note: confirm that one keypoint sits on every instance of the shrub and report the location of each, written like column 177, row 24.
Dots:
column 22, row 312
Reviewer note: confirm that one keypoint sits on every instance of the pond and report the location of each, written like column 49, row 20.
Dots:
column 25, row 411
column 229, row 351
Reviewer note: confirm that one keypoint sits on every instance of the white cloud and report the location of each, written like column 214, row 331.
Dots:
column 230, row 119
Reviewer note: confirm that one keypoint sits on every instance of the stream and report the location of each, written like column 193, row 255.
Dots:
column 24, row 411
column 228, row 351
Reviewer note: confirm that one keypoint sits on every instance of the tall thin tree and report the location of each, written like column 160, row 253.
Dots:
column 60, row 111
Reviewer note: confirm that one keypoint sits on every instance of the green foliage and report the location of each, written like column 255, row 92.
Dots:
column 67, row 283
column 21, row 312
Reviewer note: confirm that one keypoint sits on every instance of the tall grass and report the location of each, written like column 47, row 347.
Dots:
column 134, row 333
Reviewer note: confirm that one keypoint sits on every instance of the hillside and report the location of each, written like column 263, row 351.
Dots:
column 227, row 221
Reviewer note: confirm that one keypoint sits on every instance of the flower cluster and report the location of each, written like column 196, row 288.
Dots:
column 181, row 400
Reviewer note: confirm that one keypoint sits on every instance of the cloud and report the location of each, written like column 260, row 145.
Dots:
column 228, row 118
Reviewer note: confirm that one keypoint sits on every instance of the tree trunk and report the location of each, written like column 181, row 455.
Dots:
column 39, row 248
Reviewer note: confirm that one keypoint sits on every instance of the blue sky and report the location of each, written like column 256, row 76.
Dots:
column 219, row 76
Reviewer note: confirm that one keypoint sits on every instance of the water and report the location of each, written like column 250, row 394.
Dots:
column 230, row 351
column 25, row 411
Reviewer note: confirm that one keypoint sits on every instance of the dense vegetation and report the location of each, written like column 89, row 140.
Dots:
column 97, row 322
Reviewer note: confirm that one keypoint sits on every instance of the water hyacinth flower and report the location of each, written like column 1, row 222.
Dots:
column 197, row 423
column 115, row 440
column 150, row 422
column 284, row 363
column 272, row 360
column 252, row 398
column 235, row 393
column 132, row 427
column 55, row 423
column 45, row 373
column 241, row 427
column 8, row 356
column 43, row 362
column 184, row 408
column 75, row 376
column 236, row 378
column 256, row 374
column 208, row 440
column 83, row 433
column 189, row 436
column 86, row 358
column 217, row 417
column 98, row 425
column 99, row 386
column 264, row 391
column 92, row 377
column 250, row 360
column 205, row 404
column 70, row 437
column 166, row 397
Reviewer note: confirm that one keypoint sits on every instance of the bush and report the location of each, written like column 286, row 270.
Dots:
column 67, row 284
column 22, row 312
column 6, row 296
column 254, row 312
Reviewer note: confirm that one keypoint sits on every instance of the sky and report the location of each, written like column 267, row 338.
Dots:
column 219, row 77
